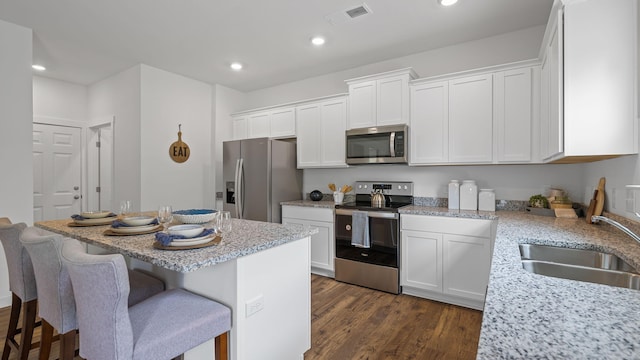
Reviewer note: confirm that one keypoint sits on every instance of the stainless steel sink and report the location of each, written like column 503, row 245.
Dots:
column 582, row 273
column 581, row 265
column 589, row 258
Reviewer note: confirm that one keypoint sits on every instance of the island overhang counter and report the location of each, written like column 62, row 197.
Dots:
column 259, row 270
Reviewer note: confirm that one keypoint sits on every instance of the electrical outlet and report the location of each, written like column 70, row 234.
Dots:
column 254, row 305
column 630, row 201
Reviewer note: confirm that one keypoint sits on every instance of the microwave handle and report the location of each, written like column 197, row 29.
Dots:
column 392, row 144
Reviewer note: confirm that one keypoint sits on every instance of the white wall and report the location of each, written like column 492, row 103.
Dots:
column 227, row 101
column 510, row 47
column 59, row 99
column 16, row 132
column 167, row 100
column 119, row 96
column 511, row 182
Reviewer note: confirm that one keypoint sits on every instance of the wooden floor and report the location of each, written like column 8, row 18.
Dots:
column 351, row 322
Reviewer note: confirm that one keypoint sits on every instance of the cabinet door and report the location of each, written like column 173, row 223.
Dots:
column 512, row 115
column 362, row 104
column 429, row 129
column 466, row 265
column 421, row 254
column 544, row 108
column 555, row 142
column 283, row 123
column 334, row 123
column 239, row 128
column 308, row 124
column 322, row 243
column 471, row 120
column 258, row 125
column 393, row 100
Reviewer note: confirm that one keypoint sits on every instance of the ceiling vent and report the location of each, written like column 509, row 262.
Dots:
column 343, row 16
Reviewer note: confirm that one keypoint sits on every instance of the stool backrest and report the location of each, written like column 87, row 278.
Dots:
column 55, row 294
column 22, row 281
column 101, row 288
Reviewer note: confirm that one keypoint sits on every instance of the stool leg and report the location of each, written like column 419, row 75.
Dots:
column 46, row 340
column 222, row 343
column 28, row 323
column 16, row 303
column 68, row 345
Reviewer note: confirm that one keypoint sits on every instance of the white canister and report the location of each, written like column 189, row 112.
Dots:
column 468, row 195
column 487, row 200
column 454, row 195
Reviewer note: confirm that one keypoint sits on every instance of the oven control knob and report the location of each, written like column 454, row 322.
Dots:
column 348, row 227
column 365, row 186
column 399, row 187
column 406, row 187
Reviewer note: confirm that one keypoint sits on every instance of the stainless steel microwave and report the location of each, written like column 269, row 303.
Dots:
column 380, row 144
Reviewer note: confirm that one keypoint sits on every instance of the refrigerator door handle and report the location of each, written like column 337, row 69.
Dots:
column 237, row 188
column 240, row 188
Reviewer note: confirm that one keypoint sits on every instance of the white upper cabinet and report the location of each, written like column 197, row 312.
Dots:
column 513, row 115
column 239, row 127
column 279, row 122
column 283, row 123
column 321, row 129
column 471, row 119
column 429, row 128
column 381, row 99
column 589, row 73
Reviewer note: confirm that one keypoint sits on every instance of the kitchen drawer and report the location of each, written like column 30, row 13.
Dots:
column 307, row 213
column 446, row 225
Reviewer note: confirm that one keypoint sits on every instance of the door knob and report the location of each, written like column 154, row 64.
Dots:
column 76, row 187
column 76, row 197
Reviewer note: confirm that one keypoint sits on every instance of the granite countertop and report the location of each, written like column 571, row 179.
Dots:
column 535, row 316
column 443, row 211
column 246, row 237
column 308, row 203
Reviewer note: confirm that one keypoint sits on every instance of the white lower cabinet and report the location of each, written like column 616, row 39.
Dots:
column 446, row 259
column 323, row 243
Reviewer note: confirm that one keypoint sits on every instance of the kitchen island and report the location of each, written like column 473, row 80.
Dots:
column 534, row 316
column 260, row 270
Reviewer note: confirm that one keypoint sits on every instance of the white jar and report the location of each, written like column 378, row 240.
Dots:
column 468, row 195
column 487, row 200
column 454, row 195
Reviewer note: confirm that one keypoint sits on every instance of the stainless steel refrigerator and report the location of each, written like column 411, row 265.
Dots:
column 259, row 174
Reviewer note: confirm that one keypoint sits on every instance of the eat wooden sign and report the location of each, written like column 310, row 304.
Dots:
column 179, row 150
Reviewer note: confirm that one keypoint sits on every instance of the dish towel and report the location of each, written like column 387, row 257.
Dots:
column 360, row 229
column 166, row 239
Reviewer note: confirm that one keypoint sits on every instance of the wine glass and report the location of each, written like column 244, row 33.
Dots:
column 125, row 208
column 224, row 221
column 165, row 215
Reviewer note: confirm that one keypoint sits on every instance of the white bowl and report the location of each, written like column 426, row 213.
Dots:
column 138, row 220
column 95, row 214
column 188, row 231
column 194, row 216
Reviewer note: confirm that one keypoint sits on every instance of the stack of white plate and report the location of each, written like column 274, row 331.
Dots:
column 95, row 218
column 137, row 224
column 191, row 234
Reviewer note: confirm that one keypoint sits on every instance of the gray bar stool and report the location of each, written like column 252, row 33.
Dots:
column 22, row 284
column 57, row 306
column 161, row 327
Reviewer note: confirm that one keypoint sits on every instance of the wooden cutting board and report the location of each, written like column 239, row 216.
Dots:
column 592, row 206
column 600, row 198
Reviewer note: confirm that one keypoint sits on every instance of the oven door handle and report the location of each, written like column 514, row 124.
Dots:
column 371, row 214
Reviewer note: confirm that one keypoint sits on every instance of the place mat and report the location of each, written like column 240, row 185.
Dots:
column 92, row 222
column 216, row 240
column 110, row 232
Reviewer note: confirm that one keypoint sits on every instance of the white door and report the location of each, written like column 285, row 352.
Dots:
column 56, row 172
column 421, row 258
column 100, row 168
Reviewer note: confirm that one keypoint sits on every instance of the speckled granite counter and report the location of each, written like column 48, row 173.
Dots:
column 247, row 237
column 533, row 316
column 442, row 211
column 309, row 203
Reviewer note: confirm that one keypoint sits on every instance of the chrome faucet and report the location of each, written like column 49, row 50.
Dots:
column 596, row 218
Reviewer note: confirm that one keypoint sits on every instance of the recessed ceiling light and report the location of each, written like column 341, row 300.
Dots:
column 38, row 67
column 236, row 66
column 447, row 2
column 317, row 40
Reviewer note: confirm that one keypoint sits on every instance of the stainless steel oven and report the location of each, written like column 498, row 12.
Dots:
column 375, row 263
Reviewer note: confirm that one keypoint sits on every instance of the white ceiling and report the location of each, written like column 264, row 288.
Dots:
column 83, row 41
